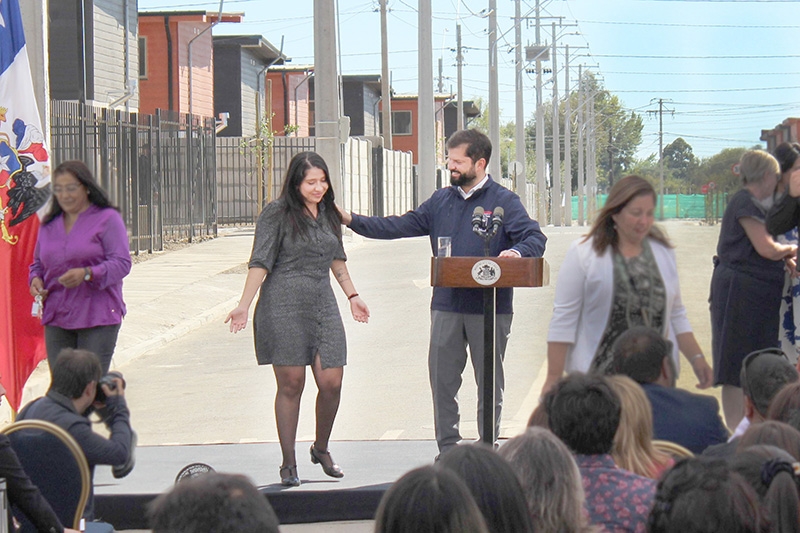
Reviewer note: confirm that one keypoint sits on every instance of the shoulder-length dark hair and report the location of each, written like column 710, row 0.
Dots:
column 80, row 172
column 621, row 194
column 296, row 210
column 493, row 484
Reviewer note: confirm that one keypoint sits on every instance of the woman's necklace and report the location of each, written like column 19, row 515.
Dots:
column 635, row 293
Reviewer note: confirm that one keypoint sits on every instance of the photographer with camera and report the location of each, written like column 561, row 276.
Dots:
column 79, row 385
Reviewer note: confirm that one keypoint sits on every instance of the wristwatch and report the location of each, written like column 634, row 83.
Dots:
column 87, row 274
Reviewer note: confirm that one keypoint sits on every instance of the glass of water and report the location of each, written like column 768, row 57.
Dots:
column 444, row 247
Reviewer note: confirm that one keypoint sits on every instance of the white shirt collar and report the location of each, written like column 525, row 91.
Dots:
column 479, row 185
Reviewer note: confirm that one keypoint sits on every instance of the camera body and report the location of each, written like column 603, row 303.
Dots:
column 108, row 379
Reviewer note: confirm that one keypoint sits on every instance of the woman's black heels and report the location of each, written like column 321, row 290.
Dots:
column 333, row 470
column 289, row 476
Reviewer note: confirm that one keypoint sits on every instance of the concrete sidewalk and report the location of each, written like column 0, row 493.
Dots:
column 169, row 295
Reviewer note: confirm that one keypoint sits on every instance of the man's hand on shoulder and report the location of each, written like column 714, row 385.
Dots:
column 347, row 218
column 510, row 253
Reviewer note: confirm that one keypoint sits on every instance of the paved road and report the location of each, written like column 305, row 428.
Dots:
column 193, row 385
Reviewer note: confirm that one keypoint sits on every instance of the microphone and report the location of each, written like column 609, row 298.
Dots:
column 477, row 220
column 497, row 220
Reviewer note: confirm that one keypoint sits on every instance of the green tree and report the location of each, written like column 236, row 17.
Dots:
column 507, row 146
column 618, row 133
column 718, row 169
column 680, row 160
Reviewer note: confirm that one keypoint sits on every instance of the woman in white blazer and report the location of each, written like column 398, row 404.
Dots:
column 622, row 274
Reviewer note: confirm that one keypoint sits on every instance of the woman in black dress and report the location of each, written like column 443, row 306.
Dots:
column 748, row 280
column 298, row 239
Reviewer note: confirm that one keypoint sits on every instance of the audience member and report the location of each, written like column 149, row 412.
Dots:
column 22, row 492
column 772, row 433
column 429, row 499
column 771, row 472
column 584, row 412
column 72, row 391
column 213, row 503
column 493, row 485
column 701, row 495
column 785, row 406
column 691, row 420
column 633, row 443
column 551, row 481
column 763, row 374
column 538, row 418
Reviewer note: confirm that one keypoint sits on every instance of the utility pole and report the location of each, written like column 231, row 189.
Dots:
column 592, row 158
column 441, row 78
column 326, row 90
column 661, row 158
column 460, row 82
column 556, row 175
column 541, row 210
column 519, row 121
column 660, row 112
column 494, row 97
column 567, row 143
column 426, row 166
column 581, row 164
column 386, row 90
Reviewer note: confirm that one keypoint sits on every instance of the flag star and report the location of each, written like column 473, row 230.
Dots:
column 2, row 20
column 4, row 163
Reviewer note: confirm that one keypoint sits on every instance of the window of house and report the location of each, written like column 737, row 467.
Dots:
column 401, row 123
column 142, row 58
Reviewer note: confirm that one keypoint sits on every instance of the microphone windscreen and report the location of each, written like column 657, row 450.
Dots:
column 477, row 212
column 499, row 212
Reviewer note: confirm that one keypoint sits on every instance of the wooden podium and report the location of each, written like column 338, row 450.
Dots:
column 489, row 273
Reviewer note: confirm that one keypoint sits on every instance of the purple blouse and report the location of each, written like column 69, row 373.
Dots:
column 99, row 240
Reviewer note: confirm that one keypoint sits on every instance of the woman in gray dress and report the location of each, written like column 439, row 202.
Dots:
column 296, row 322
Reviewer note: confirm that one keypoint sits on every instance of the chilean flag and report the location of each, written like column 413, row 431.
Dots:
column 24, row 188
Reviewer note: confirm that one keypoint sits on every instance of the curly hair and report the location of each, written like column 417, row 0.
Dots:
column 700, row 495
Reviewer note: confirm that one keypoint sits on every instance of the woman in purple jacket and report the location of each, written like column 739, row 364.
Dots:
column 81, row 256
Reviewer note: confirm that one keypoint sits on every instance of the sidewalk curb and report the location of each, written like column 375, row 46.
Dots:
column 126, row 355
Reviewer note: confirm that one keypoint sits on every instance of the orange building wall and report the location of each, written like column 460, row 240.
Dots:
column 202, row 69
column 154, row 91
column 410, row 143
column 407, row 143
column 293, row 79
column 275, row 87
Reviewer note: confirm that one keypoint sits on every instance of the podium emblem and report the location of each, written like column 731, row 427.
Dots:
column 486, row 272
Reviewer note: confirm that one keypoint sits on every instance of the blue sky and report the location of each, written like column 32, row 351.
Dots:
column 727, row 68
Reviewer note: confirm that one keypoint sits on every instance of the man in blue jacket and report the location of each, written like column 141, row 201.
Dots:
column 457, row 314
column 691, row 420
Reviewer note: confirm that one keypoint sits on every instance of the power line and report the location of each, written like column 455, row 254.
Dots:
column 683, row 25
column 649, row 73
column 627, row 56
column 706, row 90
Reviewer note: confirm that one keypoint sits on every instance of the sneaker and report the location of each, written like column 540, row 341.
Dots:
column 120, row 471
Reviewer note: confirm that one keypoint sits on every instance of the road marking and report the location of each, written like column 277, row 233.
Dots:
column 392, row 434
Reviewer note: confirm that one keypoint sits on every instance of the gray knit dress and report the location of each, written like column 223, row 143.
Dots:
column 296, row 316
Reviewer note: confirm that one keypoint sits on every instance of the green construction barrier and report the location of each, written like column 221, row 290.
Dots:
column 709, row 207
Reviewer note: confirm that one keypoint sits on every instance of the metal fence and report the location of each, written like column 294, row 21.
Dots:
column 374, row 181
column 158, row 169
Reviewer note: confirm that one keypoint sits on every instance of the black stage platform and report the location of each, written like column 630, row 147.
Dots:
column 370, row 467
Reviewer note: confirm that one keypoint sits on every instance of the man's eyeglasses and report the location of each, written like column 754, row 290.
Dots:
column 752, row 356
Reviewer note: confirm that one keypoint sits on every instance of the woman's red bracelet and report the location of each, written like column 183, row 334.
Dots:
column 352, row 296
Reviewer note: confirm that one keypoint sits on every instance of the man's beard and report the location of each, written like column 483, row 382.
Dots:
column 462, row 179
